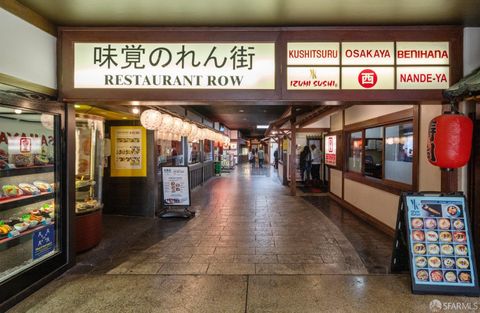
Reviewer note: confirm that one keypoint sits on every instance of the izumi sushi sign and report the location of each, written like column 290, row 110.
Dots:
column 240, row 65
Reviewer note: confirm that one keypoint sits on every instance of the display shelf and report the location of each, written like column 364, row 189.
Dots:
column 15, row 202
column 19, row 171
column 23, row 235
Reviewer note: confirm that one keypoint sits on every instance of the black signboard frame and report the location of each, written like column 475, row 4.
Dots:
column 402, row 256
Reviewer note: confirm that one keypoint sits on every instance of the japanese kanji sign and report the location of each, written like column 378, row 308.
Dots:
column 175, row 66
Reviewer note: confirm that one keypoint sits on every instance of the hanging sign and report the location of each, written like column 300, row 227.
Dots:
column 313, row 53
column 423, row 77
column 176, row 186
column 368, row 78
column 423, row 53
column 240, row 65
column 435, row 231
column 129, row 151
column 368, row 53
column 331, row 150
column 308, row 78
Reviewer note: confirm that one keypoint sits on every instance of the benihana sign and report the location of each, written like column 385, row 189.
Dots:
column 368, row 65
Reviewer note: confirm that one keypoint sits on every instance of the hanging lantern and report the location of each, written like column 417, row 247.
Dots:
column 47, row 121
column 177, row 125
column 151, row 119
column 167, row 122
column 186, row 128
column 449, row 140
column 193, row 132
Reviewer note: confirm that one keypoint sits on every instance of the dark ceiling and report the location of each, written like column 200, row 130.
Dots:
column 256, row 12
column 245, row 116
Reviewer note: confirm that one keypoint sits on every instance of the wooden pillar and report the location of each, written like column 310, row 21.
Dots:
column 449, row 179
column 293, row 152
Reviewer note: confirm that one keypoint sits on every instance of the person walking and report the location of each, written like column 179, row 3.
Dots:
column 305, row 164
column 251, row 158
column 316, row 161
column 261, row 157
column 275, row 156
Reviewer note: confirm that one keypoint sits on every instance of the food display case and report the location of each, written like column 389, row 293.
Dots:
column 89, row 156
column 32, row 212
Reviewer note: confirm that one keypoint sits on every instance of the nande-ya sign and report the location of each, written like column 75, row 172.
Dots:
column 175, row 66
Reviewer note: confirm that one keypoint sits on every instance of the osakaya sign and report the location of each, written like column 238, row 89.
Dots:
column 239, row 65
column 367, row 65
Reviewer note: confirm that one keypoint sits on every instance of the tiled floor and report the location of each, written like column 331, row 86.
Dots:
column 250, row 248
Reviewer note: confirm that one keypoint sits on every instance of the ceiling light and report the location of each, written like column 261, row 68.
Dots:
column 332, row 103
column 241, row 111
column 262, row 126
column 135, row 103
column 135, row 110
column 18, row 111
column 77, row 106
column 124, row 118
column 297, row 109
column 244, row 118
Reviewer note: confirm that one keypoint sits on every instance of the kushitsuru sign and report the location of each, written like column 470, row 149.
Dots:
column 175, row 66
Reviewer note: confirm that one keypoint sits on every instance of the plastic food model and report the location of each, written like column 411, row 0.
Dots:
column 11, row 191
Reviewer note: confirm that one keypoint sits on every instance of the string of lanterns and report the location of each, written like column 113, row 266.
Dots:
column 173, row 128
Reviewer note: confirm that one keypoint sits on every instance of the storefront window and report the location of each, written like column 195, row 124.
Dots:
column 207, row 150
column 399, row 153
column 355, row 152
column 29, row 189
column 373, row 152
column 169, row 152
column 193, row 152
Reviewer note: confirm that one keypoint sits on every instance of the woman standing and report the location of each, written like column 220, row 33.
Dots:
column 305, row 164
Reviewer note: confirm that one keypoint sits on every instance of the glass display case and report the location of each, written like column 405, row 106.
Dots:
column 89, row 157
column 29, row 190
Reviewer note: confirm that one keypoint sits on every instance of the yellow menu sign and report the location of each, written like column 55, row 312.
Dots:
column 129, row 151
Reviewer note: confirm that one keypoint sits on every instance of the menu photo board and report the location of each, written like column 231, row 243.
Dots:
column 176, row 186
column 129, row 151
column 439, row 243
column 331, row 150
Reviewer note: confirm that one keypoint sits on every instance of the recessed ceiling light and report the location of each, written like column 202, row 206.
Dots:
column 297, row 109
column 332, row 103
column 135, row 103
column 241, row 111
column 77, row 106
column 18, row 111
column 244, row 118
column 124, row 118
column 135, row 110
column 264, row 111
column 262, row 126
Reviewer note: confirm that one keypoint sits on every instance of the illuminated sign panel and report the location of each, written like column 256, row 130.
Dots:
column 311, row 78
column 423, row 77
column 368, row 53
column 313, row 53
column 423, row 53
column 368, row 78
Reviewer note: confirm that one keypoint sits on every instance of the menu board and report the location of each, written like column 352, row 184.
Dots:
column 176, row 186
column 439, row 243
column 129, row 152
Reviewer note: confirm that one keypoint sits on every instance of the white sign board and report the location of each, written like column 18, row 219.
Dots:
column 368, row 53
column 313, row 53
column 423, row 53
column 313, row 78
column 331, row 150
column 176, row 186
column 423, row 77
column 368, row 78
column 175, row 65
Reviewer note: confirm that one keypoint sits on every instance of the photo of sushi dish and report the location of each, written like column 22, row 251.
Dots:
column 434, row 262
column 463, row 263
column 454, row 211
column 465, row 277
column 450, row 276
column 418, row 235
column 421, row 261
column 419, row 248
column 458, row 225
column 436, row 276
column 422, row 275
column 417, row 223
column 444, row 223
column 461, row 250
column 433, row 249
column 430, row 223
column 446, row 236
column 448, row 263
column 447, row 249
column 432, row 236
column 459, row 236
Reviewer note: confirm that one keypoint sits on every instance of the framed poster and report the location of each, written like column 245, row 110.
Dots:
column 331, row 150
column 129, row 151
column 439, row 243
column 176, row 186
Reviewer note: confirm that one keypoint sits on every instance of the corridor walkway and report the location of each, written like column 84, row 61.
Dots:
column 250, row 248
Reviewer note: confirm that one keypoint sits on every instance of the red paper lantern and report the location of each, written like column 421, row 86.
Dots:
column 449, row 140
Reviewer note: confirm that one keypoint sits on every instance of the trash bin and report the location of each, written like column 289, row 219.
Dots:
column 218, row 168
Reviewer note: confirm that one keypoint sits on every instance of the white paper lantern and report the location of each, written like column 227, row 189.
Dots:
column 167, row 122
column 151, row 119
column 177, row 125
column 186, row 128
column 47, row 121
column 194, row 132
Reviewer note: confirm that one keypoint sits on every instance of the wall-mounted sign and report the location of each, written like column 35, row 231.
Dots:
column 423, row 77
column 308, row 78
column 313, row 53
column 368, row 53
column 368, row 77
column 176, row 186
column 129, row 151
column 331, row 150
column 436, row 230
column 18, row 145
column 423, row 53
column 367, row 65
column 175, row 66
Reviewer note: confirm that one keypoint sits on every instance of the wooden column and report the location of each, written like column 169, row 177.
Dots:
column 449, row 179
column 293, row 152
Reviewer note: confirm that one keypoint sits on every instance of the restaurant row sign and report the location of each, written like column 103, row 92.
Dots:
column 244, row 65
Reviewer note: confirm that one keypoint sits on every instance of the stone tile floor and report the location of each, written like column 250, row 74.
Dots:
column 250, row 248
